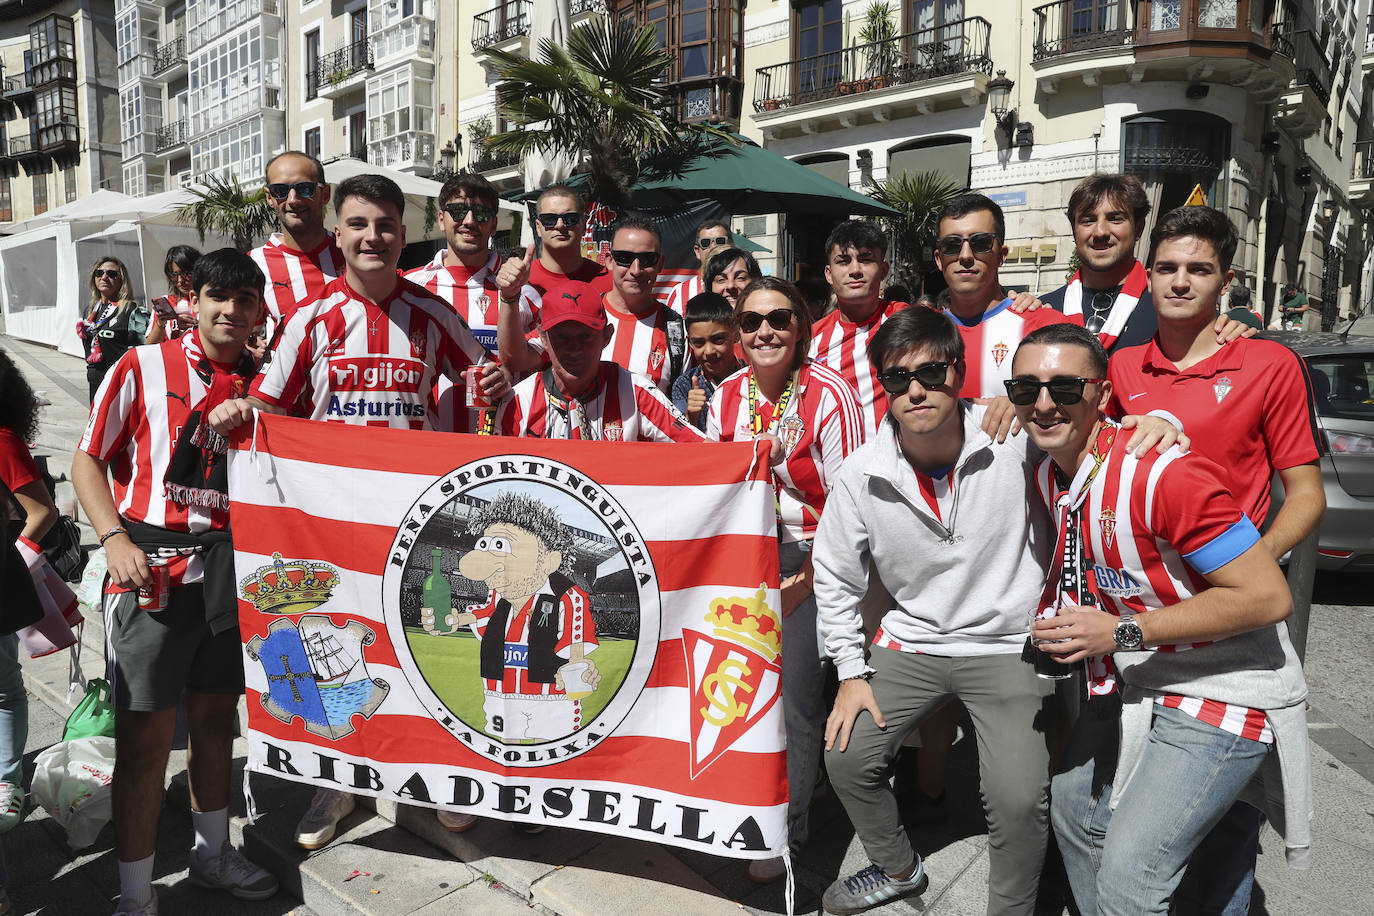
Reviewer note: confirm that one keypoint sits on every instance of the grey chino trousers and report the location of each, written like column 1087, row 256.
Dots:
column 1011, row 710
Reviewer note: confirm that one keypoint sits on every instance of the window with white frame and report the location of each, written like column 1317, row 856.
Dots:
column 133, row 178
column 140, row 117
column 236, row 149
column 395, row 26
column 399, row 102
column 233, row 78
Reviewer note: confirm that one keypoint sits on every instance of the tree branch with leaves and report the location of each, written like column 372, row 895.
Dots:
column 226, row 207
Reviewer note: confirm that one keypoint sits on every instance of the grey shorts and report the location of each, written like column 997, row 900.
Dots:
column 154, row 657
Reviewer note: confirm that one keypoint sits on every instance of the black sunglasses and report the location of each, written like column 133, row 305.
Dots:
column 1064, row 390
column 778, row 320
column 897, row 380
column 626, row 258
column 979, row 243
column 703, row 244
column 458, row 211
column 112, row 274
column 550, row 220
column 305, row 190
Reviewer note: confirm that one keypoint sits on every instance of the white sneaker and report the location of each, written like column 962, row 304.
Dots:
column 457, row 821
column 766, row 871
column 230, row 871
column 11, row 807
column 148, row 909
column 327, row 808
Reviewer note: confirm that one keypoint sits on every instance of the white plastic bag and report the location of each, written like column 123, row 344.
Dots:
column 91, row 589
column 71, row 780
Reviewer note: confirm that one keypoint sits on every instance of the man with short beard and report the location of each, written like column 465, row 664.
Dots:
column 648, row 338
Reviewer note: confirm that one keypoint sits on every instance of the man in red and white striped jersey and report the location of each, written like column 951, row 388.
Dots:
column 711, row 236
column 970, row 252
column 170, row 497
column 1192, row 610
column 303, row 258
column 1247, row 404
column 463, row 274
column 647, row 337
column 369, row 351
column 856, row 266
column 582, row 396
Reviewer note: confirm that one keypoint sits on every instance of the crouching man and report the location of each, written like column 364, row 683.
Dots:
column 1189, row 606
column 173, row 621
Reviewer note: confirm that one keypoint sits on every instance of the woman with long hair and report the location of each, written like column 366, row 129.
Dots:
column 728, row 271
column 172, row 313
column 29, row 513
column 812, row 416
column 113, row 322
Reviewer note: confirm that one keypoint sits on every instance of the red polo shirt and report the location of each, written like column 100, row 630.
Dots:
column 1248, row 408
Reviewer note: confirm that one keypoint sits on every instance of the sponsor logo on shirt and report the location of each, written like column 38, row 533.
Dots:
column 486, row 337
column 375, row 373
column 517, row 655
column 1116, row 582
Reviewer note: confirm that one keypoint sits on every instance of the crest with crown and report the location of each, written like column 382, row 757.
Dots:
column 289, row 586
column 748, row 622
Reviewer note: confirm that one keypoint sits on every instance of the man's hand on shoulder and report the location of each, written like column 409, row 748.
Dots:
column 1153, row 432
column 1229, row 329
column 1000, row 419
column 1026, row 302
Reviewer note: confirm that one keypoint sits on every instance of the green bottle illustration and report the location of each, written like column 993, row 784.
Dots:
column 437, row 596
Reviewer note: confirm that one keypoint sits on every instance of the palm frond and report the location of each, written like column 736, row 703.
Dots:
column 226, row 207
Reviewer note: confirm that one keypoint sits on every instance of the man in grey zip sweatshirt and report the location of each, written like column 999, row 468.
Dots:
column 951, row 521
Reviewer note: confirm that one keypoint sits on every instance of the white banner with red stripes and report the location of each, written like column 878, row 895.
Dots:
column 582, row 634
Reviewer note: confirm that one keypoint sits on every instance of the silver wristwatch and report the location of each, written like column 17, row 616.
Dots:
column 1128, row 635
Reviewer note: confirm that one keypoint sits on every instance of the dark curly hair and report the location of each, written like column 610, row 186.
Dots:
column 528, row 514
column 18, row 406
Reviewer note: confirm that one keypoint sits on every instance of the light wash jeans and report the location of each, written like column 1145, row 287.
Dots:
column 803, row 700
column 14, row 712
column 1130, row 861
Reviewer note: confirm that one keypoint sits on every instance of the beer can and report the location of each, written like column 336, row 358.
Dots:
column 472, row 381
column 153, row 596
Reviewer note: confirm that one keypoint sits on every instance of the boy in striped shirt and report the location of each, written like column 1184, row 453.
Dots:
column 1192, row 606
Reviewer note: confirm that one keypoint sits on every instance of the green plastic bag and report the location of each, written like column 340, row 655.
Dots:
column 94, row 716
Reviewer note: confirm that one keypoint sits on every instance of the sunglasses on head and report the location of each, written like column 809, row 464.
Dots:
column 897, row 380
column 979, row 243
column 112, row 274
column 778, row 320
column 626, row 258
column 703, row 244
column 550, row 220
column 1064, row 390
column 281, row 190
column 458, row 211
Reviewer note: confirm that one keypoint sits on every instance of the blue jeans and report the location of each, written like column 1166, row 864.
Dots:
column 14, row 713
column 1188, row 777
column 1224, row 865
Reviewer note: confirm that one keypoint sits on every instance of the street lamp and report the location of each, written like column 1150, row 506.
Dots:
column 1328, row 210
column 447, row 155
column 999, row 100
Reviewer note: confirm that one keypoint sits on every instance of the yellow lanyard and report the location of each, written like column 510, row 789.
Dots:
column 755, row 420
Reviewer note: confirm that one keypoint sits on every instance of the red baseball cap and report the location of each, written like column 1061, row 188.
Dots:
column 584, row 308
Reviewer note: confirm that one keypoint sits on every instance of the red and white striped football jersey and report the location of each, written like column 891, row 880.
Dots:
column 990, row 343
column 821, row 424
column 575, row 623
column 295, row 278
column 590, row 279
column 677, row 299
column 473, row 294
column 843, row 346
column 136, row 420
column 1152, row 529
column 624, row 408
column 640, row 342
column 348, row 359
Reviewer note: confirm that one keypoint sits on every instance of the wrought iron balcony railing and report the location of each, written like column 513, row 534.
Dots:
column 171, row 135
column 169, row 54
column 337, row 66
column 1070, row 26
column 1312, row 64
column 501, row 23
column 490, row 159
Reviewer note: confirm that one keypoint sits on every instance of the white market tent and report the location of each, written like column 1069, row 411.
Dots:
column 44, row 264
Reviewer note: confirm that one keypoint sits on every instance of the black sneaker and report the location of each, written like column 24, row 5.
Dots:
column 871, row 887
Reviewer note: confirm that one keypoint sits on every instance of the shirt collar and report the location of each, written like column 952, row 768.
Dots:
column 1230, row 357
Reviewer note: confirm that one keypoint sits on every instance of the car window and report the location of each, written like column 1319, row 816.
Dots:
column 1344, row 385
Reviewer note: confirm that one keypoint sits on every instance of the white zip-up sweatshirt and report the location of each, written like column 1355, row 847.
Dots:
column 962, row 588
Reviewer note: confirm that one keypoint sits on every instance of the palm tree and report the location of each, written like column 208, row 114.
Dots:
column 918, row 196
column 599, row 99
column 225, row 206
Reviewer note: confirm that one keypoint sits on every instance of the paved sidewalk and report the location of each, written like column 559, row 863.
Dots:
column 418, row 867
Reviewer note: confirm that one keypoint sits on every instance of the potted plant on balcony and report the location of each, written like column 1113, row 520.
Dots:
column 478, row 132
column 879, row 37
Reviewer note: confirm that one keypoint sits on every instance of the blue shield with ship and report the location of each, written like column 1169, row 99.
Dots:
column 316, row 670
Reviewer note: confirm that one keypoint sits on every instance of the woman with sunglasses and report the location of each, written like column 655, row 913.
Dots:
column 113, row 323
column 728, row 272
column 813, row 415
column 172, row 314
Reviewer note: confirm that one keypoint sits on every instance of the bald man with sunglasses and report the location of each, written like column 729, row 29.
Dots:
column 649, row 338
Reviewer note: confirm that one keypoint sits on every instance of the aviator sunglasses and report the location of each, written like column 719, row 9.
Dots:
column 458, row 211
column 112, row 274
column 778, row 320
column 897, row 380
column 1064, row 391
column 305, row 190
column 978, row 243
column 624, row 258
column 550, row 220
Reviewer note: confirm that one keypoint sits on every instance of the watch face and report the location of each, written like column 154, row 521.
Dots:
column 1128, row 635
